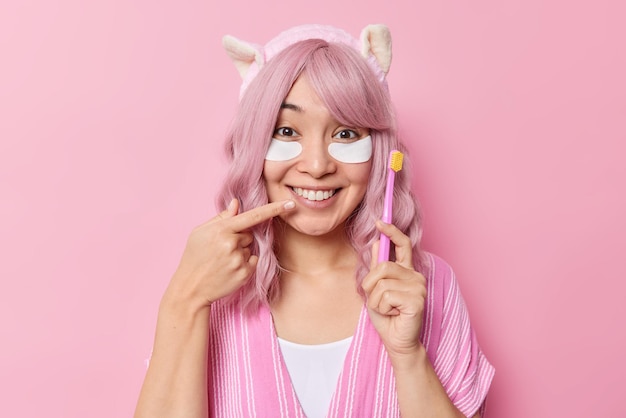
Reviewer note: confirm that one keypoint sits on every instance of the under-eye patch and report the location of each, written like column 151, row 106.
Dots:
column 283, row 150
column 352, row 152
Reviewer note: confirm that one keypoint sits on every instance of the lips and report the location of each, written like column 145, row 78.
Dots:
column 314, row 195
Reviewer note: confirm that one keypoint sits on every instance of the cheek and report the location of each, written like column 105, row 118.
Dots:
column 273, row 173
column 269, row 171
column 361, row 173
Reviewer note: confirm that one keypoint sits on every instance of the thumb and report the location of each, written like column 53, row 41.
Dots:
column 230, row 211
column 233, row 207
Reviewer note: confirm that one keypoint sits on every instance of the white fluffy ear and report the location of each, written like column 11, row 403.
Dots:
column 242, row 53
column 376, row 40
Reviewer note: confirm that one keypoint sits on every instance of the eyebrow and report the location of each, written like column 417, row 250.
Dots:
column 291, row 106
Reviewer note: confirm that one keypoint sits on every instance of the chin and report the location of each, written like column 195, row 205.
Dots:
column 313, row 228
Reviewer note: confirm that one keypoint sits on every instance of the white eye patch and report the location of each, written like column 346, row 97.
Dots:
column 283, row 150
column 354, row 152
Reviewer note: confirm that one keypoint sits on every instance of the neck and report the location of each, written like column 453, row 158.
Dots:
column 317, row 289
column 310, row 255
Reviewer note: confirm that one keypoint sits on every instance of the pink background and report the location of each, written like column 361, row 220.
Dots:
column 111, row 120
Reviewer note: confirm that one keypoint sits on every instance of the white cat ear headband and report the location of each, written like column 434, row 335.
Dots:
column 374, row 45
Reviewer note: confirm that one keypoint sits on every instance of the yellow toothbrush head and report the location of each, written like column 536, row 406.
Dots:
column 395, row 160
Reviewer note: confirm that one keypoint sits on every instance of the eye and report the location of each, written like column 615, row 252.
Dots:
column 285, row 132
column 346, row 134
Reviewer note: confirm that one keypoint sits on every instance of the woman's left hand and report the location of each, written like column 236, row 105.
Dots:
column 396, row 295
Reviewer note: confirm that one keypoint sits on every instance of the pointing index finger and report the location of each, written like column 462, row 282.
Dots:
column 261, row 214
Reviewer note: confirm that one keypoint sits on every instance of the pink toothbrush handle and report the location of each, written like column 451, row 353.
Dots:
column 383, row 249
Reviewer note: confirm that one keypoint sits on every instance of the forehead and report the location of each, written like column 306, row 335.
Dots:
column 303, row 95
column 302, row 102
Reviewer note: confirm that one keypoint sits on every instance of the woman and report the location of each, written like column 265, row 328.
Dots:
column 279, row 306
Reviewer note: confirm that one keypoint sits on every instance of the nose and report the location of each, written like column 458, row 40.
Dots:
column 315, row 159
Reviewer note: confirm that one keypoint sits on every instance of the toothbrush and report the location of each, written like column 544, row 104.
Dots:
column 395, row 165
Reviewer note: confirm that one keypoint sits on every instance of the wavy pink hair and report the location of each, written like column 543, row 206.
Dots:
column 345, row 83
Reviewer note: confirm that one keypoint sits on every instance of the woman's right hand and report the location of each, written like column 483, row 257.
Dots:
column 217, row 259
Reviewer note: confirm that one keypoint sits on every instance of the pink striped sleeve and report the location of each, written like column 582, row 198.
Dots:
column 458, row 360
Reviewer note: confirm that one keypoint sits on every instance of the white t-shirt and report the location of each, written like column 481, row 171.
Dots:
column 314, row 371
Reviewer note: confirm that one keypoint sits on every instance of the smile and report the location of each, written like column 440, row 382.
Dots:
column 314, row 195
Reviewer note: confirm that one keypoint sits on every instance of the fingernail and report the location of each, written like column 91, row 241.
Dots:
column 290, row 204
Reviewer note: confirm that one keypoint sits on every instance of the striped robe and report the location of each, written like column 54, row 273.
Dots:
column 248, row 377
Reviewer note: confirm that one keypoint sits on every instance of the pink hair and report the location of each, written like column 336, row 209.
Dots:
column 354, row 96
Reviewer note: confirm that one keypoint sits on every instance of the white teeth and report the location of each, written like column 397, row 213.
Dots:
column 314, row 195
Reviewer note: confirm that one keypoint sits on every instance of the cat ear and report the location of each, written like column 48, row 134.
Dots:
column 242, row 53
column 376, row 40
